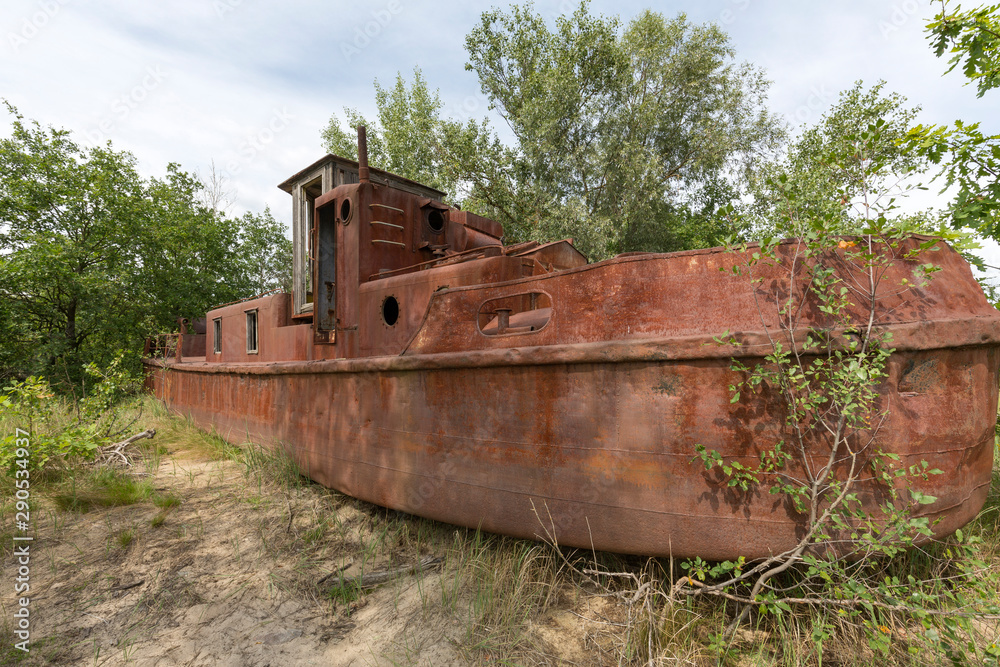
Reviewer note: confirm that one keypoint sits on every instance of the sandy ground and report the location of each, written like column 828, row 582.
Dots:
column 216, row 584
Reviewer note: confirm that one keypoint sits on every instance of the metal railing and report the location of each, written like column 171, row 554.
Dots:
column 163, row 346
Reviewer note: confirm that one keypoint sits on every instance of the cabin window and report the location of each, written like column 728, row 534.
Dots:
column 217, row 335
column 304, row 223
column 252, row 332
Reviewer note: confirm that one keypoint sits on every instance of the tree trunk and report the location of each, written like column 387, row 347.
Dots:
column 71, row 326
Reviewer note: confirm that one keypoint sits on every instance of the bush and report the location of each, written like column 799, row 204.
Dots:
column 46, row 431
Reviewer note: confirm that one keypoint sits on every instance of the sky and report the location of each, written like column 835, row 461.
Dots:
column 247, row 85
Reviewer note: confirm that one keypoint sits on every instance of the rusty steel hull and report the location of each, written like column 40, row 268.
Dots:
column 593, row 441
column 604, row 449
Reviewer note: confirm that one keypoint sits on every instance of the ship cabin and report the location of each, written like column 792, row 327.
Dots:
column 370, row 249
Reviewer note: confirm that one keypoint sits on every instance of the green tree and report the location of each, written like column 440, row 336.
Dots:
column 969, row 159
column 93, row 258
column 195, row 257
column 183, row 256
column 403, row 140
column 68, row 217
column 625, row 138
column 265, row 254
column 972, row 36
column 641, row 132
column 843, row 172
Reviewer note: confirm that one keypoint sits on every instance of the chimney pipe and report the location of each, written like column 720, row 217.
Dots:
column 362, row 155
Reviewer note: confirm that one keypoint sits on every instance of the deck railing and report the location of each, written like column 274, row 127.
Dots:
column 163, row 346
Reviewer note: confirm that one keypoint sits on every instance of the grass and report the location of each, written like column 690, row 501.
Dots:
column 166, row 500
column 317, row 533
column 9, row 654
column 345, row 593
column 126, row 537
column 178, row 436
column 505, row 583
column 89, row 489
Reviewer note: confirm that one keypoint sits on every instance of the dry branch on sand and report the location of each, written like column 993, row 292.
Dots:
column 375, row 578
column 115, row 454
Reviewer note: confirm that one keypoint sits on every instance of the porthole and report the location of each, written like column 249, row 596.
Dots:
column 345, row 211
column 435, row 220
column 390, row 310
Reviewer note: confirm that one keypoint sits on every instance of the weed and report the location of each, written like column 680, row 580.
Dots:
column 102, row 488
column 166, row 501
column 270, row 465
column 317, row 532
column 9, row 655
column 125, row 537
column 151, row 455
column 344, row 592
column 258, row 501
column 508, row 581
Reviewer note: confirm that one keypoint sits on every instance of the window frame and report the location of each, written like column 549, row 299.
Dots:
column 217, row 335
column 253, row 331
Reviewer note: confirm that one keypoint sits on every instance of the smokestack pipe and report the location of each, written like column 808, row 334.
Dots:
column 362, row 155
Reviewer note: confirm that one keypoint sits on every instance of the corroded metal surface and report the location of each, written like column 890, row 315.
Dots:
column 589, row 423
column 603, row 448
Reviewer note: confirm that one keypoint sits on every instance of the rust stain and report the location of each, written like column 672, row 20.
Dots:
column 920, row 378
column 668, row 386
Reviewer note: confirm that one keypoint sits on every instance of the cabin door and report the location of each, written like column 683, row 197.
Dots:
column 325, row 288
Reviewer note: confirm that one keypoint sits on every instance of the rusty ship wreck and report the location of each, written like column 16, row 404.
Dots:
column 421, row 364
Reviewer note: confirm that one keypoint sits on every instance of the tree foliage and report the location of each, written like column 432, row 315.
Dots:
column 838, row 172
column 403, row 140
column 93, row 257
column 624, row 137
column 969, row 158
column 645, row 129
column 972, row 36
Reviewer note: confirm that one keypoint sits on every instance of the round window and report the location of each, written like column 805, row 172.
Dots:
column 390, row 310
column 435, row 220
column 345, row 211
